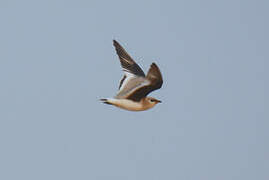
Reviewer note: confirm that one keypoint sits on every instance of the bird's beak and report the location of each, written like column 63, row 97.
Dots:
column 159, row 101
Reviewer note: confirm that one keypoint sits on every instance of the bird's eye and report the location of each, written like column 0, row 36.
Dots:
column 151, row 100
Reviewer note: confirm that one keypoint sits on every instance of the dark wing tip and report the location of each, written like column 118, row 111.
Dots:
column 155, row 76
column 116, row 43
column 154, row 65
column 154, row 69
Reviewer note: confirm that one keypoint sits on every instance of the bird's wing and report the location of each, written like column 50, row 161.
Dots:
column 131, row 85
column 130, row 68
column 138, row 88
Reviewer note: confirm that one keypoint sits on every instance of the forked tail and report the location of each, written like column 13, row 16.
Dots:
column 105, row 101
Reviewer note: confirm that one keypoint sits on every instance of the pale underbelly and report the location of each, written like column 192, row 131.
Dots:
column 130, row 105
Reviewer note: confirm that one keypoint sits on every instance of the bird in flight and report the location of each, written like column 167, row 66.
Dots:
column 135, row 85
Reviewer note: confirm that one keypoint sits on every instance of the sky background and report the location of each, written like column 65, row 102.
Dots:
column 57, row 61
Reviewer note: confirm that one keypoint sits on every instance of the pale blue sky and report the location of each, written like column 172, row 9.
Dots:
column 57, row 60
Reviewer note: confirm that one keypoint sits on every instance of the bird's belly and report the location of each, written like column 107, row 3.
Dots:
column 129, row 105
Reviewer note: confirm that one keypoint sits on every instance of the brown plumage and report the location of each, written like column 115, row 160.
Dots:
column 135, row 86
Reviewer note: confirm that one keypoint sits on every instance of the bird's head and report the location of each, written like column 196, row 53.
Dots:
column 152, row 101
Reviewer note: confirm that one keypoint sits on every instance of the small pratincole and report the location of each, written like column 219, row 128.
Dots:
column 135, row 85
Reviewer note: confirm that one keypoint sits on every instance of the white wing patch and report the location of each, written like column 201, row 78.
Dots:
column 128, row 77
column 133, row 84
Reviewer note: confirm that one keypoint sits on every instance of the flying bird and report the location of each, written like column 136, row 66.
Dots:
column 135, row 85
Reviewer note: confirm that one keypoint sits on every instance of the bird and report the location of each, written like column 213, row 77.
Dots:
column 135, row 85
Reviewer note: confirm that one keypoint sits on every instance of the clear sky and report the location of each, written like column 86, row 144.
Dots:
column 57, row 60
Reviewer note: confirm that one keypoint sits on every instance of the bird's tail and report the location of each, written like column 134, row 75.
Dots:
column 105, row 101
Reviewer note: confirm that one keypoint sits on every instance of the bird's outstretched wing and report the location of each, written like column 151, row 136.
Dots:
column 129, row 66
column 127, row 63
